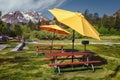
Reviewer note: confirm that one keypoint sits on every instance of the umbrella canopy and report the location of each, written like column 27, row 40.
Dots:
column 54, row 28
column 76, row 21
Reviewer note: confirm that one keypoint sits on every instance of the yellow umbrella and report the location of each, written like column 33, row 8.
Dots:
column 76, row 21
column 54, row 29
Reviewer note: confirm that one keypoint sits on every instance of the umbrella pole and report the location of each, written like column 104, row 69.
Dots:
column 73, row 40
column 53, row 36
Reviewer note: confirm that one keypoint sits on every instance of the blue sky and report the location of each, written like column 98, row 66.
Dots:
column 100, row 6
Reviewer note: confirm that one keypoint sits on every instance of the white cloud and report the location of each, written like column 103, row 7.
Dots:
column 23, row 5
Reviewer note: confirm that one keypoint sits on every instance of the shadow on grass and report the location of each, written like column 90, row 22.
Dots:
column 13, row 60
column 117, row 69
column 78, row 68
column 99, row 58
column 3, row 42
column 70, row 50
column 7, row 42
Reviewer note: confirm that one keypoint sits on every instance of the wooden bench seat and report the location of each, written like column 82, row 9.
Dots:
column 46, row 48
column 48, row 51
column 74, row 63
column 58, row 65
column 51, row 59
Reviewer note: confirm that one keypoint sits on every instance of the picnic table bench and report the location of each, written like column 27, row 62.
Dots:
column 47, row 48
column 83, row 59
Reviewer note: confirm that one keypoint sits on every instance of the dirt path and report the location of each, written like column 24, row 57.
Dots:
column 104, row 43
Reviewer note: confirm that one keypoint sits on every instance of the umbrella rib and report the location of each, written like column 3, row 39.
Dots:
column 83, row 27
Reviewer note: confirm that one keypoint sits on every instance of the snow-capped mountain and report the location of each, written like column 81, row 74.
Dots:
column 18, row 17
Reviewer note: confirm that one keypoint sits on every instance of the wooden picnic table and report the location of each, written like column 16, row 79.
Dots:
column 83, row 58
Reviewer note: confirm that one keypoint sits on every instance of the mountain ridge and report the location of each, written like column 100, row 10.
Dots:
column 18, row 17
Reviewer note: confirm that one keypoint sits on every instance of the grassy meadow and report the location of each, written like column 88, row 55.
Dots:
column 25, row 65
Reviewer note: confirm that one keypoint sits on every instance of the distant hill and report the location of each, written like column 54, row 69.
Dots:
column 117, row 13
column 18, row 17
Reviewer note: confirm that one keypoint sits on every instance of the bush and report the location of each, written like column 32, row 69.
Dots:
column 104, row 31
column 45, row 35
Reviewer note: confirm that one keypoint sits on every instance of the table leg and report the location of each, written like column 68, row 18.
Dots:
column 92, row 67
column 55, row 59
column 87, row 60
column 62, row 49
column 58, row 69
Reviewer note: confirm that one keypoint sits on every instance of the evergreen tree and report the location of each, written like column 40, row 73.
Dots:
column 96, row 19
column 26, row 32
column 117, row 23
column 18, row 30
column 106, row 22
column 38, row 25
column 0, row 15
column 30, row 25
column 86, row 13
column 88, row 16
column 4, row 30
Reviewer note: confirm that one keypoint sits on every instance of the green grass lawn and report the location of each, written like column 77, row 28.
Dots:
column 103, row 39
column 25, row 65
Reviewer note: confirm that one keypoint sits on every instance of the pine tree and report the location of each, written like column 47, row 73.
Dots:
column 117, row 23
column 0, row 15
column 96, row 19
